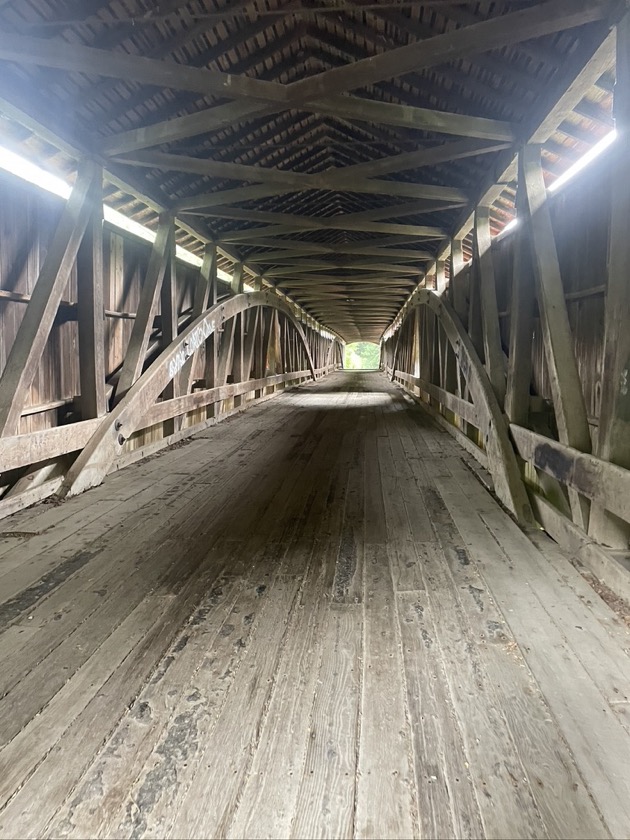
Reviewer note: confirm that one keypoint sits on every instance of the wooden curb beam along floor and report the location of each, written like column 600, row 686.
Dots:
column 310, row 621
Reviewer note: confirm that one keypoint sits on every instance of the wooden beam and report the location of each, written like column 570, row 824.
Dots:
column 212, row 342
column 344, row 221
column 91, row 309
column 505, row 30
column 497, row 32
column 443, row 153
column 582, row 73
column 34, row 114
column 440, row 276
column 345, row 180
column 189, row 125
column 345, row 254
column 599, row 480
column 407, row 116
column 521, row 318
column 614, row 425
column 460, row 302
column 90, row 61
column 169, row 320
column 393, row 211
column 493, row 351
column 351, row 280
column 301, row 182
column 566, row 388
column 255, row 234
column 203, row 290
column 147, row 307
column 221, row 198
column 35, row 327
column 44, row 445
column 356, row 265
column 221, row 116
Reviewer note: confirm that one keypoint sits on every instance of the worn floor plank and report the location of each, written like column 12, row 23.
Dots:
column 309, row 621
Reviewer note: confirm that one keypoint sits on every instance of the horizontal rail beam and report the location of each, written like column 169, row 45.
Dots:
column 601, row 481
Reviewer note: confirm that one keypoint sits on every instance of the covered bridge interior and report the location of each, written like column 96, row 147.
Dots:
column 243, row 591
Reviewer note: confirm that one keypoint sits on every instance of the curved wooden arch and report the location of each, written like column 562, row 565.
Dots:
column 107, row 442
column 502, row 462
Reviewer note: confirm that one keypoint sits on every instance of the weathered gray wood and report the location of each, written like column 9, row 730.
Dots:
column 220, row 116
column 521, row 318
column 457, row 44
column 169, row 319
column 147, row 307
column 613, row 441
column 35, row 327
column 568, row 399
column 493, row 351
column 590, row 475
column 491, row 621
column 178, row 128
column 204, row 287
column 49, row 52
column 447, row 803
column 502, row 461
column 91, row 311
column 465, row 409
column 555, row 665
column 385, row 805
column 580, row 77
column 32, row 448
column 327, row 785
column 216, row 687
column 297, row 182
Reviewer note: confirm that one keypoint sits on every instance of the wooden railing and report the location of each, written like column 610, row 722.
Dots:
column 253, row 339
column 469, row 408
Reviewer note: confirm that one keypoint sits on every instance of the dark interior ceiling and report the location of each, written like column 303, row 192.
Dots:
column 333, row 146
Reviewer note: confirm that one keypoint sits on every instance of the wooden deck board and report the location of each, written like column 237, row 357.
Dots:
column 310, row 621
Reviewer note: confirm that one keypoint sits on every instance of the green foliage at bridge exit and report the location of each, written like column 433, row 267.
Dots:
column 362, row 355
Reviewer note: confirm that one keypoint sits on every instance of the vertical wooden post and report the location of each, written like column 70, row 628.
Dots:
column 237, row 279
column 475, row 326
column 521, row 316
column 440, row 276
column 200, row 304
column 147, row 307
column 417, row 343
column 428, row 344
column 238, row 363
column 566, row 388
column 614, row 427
column 168, row 319
column 457, row 284
column 493, row 350
column 212, row 342
column 91, row 310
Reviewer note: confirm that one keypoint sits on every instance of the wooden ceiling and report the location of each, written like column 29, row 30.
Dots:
column 332, row 146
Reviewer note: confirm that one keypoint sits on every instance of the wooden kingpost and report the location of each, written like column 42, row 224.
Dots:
column 521, row 318
column 457, row 285
column 493, row 351
column 168, row 319
column 91, row 310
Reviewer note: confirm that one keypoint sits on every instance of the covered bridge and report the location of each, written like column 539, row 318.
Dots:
column 245, row 592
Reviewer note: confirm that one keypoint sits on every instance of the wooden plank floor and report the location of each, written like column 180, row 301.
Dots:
column 309, row 621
